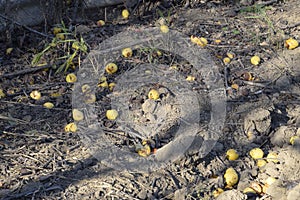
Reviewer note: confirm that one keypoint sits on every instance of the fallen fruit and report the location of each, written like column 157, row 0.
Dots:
column 90, row 98
column 173, row 67
column 111, row 86
column 111, row 68
column 203, row 42
column 256, row 153
column 164, row 28
column 272, row 157
column 71, row 127
column 144, row 151
column 194, row 39
column 48, row 105
column 256, row 187
column 103, row 84
column 127, row 52
column 250, row 135
column 112, row 114
column 199, row 41
column 293, row 139
column 8, row 51
column 153, row 94
column 36, row 95
column 226, row 60
column 230, row 55
column 158, row 53
column 102, row 79
column 231, row 154
column 231, row 177
column 125, row 14
column 255, row 60
column 77, row 115
column 71, row 78
column 85, row 88
column 190, row 78
column 218, row 41
column 100, row 23
column 291, row 43
column 261, row 163
column 217, row 192
column 235, row 86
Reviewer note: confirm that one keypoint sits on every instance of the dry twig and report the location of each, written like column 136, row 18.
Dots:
column 25, row 71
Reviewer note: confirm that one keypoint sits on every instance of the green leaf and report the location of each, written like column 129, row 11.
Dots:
column 36, row 58
column 225, row 28
column 236, row 32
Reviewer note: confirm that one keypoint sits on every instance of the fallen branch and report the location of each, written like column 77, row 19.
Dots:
column 25, row 71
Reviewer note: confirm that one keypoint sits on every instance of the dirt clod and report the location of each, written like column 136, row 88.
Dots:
column 232, row 194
